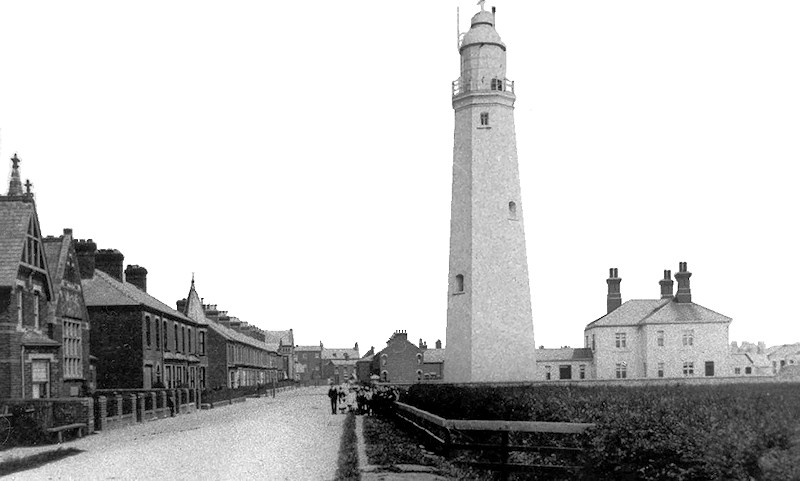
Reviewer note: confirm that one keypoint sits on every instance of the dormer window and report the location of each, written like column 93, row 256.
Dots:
column 36, row 310
column 484, row 119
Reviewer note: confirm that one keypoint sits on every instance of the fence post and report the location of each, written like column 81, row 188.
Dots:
column 134, row 407
column 140, row 412
column 153, row 404
column 102, row 410
column 118, row 398
column 504, row 456
column 447, row 441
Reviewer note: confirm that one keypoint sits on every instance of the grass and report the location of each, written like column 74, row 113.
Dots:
column 388, row 443
column 15, row 464
column 347, row 468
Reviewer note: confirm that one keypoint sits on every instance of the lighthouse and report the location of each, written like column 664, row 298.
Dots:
column 489, row 322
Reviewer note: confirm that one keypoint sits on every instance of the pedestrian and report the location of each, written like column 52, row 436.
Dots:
column 333, row 394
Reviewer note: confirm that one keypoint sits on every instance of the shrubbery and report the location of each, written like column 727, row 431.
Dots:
column 650, row 433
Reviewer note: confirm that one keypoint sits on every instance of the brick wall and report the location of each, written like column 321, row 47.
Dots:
column 116, row 342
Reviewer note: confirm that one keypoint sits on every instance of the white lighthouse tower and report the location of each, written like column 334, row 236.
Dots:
column 489, row 324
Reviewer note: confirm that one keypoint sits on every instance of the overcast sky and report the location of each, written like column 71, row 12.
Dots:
column 297, row 156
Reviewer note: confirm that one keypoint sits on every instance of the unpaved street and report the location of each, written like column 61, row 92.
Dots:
column 291, row 437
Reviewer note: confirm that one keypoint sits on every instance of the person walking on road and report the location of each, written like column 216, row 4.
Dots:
column 333, row 394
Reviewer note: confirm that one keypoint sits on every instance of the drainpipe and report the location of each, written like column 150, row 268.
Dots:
column 22, row 369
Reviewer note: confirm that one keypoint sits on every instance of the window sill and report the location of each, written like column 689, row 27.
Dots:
column 484, row 127
column 459, row 293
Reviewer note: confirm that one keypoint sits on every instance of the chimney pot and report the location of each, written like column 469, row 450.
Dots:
column 684, row 294
column 614, row 298
column 666, row 285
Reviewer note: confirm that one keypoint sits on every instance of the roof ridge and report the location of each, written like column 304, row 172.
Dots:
column 656, row 309
column 108, row 277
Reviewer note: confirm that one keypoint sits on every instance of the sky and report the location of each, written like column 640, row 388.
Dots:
column 297, row 156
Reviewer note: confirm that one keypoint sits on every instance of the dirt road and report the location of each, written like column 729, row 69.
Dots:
column 291, row 437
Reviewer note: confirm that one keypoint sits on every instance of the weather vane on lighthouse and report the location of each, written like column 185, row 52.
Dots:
column 481, row 2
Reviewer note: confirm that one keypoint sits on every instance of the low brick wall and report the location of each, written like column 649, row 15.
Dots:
column 116, row 408
column 53, row 412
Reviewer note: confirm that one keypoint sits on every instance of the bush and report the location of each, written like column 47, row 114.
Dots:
column 650, row 433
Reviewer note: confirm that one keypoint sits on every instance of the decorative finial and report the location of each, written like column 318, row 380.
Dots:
column 192, row 280
column 15, row 185
column 28, row 185
column 481, row 2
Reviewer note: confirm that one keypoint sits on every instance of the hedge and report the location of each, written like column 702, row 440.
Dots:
column 735, row 432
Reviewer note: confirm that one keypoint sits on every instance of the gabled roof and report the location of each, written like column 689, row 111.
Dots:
column 194, row 306
column 339, row 353
column 564, row 354
column 308, row 348
column 783, row 350
column 433, row 355
column 15, row 215
column 342, row 362
column 285, row 338
column 104, row 290
column 658, row 311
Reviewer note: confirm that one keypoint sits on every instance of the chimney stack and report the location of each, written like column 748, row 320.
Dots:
column 684, row 294
column 614, row 299
column 110, row 262
column 137, row 276
column 86, row 250
column 438, row 344
column 666, row 285
column 181, row 305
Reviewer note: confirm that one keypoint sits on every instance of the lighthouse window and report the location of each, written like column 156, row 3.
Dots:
column 497, row 84
column 484, row 118
column 460, row 283
column 512, row 210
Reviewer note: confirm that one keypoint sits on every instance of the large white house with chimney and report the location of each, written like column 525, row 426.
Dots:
column 668, row 337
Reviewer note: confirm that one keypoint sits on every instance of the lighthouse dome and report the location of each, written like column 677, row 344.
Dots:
column 482, row 31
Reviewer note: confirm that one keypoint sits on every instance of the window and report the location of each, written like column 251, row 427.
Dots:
column 158, row 333
column 73, row 350
column 622, row 370
column 459, row 283
column 565, row 371
column 709, row 368
column 484, row 119
column 419, row 358
column 36, row 309
column 582, row 371
column 165, row 331
column 621, row 340
column 183, row 338
column 512, row 210
column 19, row 306
column 660, row 369
column 158, row 373
column 40, row 379
column 688, row 368
column 147, row 330
column 593, row 344
column 497, row 84
column 547, row 372
column 748, row 370
column 202, row 342
column 384, row 376
column 737, row 370
column 383, row 359
column 175, row 326
column 190, row 340
column 688, row 337
column 660, row 338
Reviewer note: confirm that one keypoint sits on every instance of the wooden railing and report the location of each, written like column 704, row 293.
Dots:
column 452, row 435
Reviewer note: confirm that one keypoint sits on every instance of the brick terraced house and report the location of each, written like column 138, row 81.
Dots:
column 237, row 352
column 139, row 341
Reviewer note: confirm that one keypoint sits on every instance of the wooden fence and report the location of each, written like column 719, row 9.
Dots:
column 558, row 456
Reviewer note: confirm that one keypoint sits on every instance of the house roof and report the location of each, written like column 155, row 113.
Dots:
column 285, row 338
column 564, row 354
column 342, row 362
column 234, row 335
column 783, row 350
column 104, row 290
column 339, row 353
column 658, row 311
column 308, row 348
column 744, row 359
column 15, row 215
column 433, row 355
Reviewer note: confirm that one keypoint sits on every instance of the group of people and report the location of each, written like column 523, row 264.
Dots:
column 359, row 398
